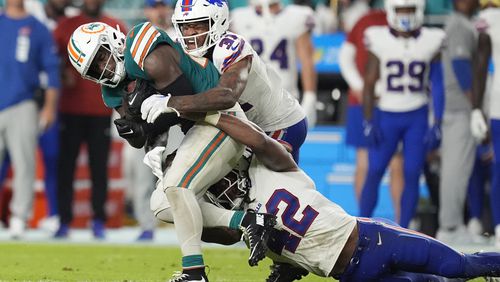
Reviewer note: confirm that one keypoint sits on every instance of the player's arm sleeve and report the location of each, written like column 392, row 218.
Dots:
column 462, row 68
column 306, row 22
column 230, row 50
column 112, row 97
column 348, row 67
column 460, row 47
column 437, row 88
column 49, row 58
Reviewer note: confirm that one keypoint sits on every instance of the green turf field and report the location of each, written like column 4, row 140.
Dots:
column 93, row 262
column 79, row 262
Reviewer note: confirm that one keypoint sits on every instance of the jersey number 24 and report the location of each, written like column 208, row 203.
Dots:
column 278, row 54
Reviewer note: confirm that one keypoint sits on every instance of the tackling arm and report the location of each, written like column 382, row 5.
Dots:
column 269, row 151
column 225, row 95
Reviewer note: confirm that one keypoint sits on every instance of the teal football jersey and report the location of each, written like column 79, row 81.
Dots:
column 141, row 40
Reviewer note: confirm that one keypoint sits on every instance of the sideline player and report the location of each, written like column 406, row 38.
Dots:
column 352, row 59
column 202, row 31
column 100, row 53
column 458, row 149
column 403, row 60
column 280, row 35
column 488, row 46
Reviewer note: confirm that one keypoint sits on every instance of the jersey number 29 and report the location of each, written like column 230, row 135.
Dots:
column 396, row 73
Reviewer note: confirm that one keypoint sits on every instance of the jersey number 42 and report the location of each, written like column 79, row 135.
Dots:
column 287, row 240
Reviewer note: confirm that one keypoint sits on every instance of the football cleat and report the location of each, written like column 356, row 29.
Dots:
column 284, row 272
column 257, row 233
column 98, row 229
column 186, row 277
column 62, row 232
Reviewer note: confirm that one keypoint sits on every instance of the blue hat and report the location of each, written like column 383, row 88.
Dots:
column 152, row 3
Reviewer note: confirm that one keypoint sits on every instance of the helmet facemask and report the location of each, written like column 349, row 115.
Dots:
column 108, row 75
column 199, row 49
column 230, row 192
column 96, row 51
column 213, row 13
column 406, row 22
column 405, row 16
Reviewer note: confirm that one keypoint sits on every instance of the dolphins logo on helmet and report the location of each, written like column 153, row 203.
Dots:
column 92, row 42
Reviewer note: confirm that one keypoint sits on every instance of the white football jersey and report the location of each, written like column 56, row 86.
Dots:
column 404, row 66
column 274, row 38
column 489, row 22
column 313, row 230
column 264, row 99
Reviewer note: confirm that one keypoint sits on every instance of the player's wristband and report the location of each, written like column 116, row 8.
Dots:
column 212, row 118
column 309, row 92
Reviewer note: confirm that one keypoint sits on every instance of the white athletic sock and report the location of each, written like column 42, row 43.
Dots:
column 188, row 219
column 214, row 216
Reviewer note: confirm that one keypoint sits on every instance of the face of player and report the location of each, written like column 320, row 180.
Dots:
column 192, row 29
column 406, row 11
column 14, row 3
column 406, row 17
column 103, row 65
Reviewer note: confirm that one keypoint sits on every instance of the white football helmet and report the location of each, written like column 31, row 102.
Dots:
column 84, row 44
column 405, row 22
column 216, row 12
column 229, row 192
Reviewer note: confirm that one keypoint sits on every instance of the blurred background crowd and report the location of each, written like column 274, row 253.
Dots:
column 83, row 175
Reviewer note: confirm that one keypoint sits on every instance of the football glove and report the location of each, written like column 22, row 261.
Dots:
column 432, row 139
column 131, row 129
column 309, row 106
column 156, row 105
column 134, row 99
column 153, row 159
column 372, row 133
column 478, row 126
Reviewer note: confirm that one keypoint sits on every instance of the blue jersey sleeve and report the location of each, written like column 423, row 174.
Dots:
column 49, row 58
column 437, row 88
column 462, row 68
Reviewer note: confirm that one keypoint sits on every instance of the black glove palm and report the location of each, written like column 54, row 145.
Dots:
column 134, row 99
column 135, row 132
